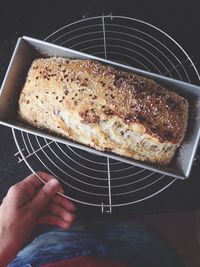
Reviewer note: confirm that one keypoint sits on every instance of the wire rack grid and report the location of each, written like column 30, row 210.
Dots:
column 95, row 180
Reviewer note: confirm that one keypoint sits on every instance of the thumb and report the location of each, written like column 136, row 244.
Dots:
column 44, row 196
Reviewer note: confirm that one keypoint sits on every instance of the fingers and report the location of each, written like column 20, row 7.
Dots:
column 32, row 184
column 61, row 212
column 34, row 190
column 28, row 187
column 47, row 177
column 34, row 180
column 64, row 202
column 45, row 195
column 58, row 213
column 53, row 220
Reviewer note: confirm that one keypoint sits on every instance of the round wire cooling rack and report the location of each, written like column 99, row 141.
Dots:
column 88, row 178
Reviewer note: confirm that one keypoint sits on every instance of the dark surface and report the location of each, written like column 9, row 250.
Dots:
column 39, row 18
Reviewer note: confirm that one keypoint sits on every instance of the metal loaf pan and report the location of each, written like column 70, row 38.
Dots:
column 27, row 49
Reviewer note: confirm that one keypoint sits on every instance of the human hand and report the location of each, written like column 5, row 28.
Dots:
column 26, row 204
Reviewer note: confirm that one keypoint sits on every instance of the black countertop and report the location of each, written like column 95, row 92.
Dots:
column 40, row 18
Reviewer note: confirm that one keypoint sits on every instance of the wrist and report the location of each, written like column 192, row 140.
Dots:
column 7, row 251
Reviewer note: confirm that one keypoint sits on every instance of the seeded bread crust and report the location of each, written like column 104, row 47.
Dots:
column 105, row 108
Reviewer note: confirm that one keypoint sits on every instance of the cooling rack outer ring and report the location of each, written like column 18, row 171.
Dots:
column 116, row 183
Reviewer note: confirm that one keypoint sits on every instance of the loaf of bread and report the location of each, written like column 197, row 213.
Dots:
column 104, row 108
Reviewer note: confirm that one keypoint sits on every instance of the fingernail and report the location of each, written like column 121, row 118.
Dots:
column 73, row 208
column 61, row 191
column 54, row 183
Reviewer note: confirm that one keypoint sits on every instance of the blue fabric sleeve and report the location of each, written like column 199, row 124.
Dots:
column 130, row 242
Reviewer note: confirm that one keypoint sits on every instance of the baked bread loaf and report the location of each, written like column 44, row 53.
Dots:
column 105, row 108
